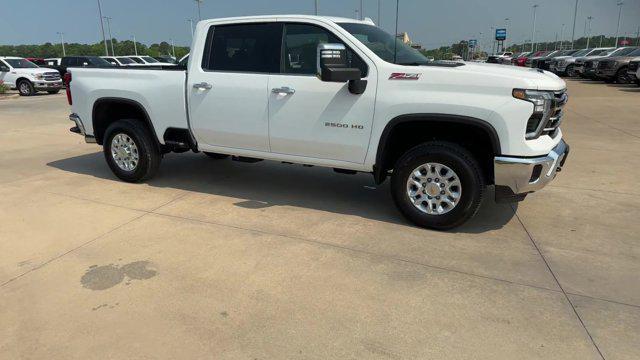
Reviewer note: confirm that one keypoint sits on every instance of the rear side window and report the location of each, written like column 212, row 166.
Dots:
column 244, row 48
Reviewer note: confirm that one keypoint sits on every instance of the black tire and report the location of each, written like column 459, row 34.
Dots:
column 570, row 71
column 25, row 88
column 148, row 152
column 638, row 82
column 621, row 76
column 457, row 159
column 53, row 91
column 216, row 155
column 609, row 81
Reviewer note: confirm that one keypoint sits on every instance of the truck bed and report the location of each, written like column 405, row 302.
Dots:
column 159, row 89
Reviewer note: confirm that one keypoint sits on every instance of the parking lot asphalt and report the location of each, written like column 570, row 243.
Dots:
column 224, row 260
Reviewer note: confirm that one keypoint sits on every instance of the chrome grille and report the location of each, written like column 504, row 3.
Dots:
column 51, row 76
column 560, row 100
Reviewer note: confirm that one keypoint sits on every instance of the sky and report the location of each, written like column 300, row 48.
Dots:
column 432, row 23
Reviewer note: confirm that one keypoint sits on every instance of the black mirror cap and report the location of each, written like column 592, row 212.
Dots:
column 336, row 74
column 357, row 87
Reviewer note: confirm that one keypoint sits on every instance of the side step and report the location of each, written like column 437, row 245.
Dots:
column 244, row 159
column 345, row 171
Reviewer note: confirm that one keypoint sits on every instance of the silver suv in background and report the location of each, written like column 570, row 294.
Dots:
column 570, row 65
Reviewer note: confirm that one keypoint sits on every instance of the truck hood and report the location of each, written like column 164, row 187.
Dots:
column 521, row 77
column 39, row 70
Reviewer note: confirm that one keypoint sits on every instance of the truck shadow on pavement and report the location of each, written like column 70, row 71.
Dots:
column 268, row 184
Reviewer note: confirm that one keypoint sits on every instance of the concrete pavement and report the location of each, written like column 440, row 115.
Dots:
column 216, row 259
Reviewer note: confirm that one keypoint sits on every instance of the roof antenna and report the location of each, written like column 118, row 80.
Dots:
column 395, row 36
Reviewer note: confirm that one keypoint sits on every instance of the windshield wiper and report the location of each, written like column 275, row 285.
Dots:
column 415, row 63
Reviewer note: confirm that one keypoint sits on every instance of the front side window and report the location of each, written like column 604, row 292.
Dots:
column 251, row 48
column 138, row 60
column 385, row 45
column 301, row 47
column 21, row 64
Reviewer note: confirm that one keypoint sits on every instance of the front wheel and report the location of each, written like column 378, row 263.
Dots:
column 621, row 76
column 571, row 72
column 130, row 151
column 25, row 88
column 437, row 185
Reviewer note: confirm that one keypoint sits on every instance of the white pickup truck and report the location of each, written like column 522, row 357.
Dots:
column 337, row 93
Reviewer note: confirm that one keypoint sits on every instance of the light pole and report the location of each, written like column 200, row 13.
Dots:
column 620, row 3
column 110, row 37
column 173, row 49
column 198, row 2
column 190, row 21
column 589, row 30
column 379, row 6
column 64, row 53
column 361, row 11
column 506, row 22
column 562, row 37
column 533, row 32
column 395, row 43
column 573, row 33
column 316, row 2
column 104, row 38
column 135, row 46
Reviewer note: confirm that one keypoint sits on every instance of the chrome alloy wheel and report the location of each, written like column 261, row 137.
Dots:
column 434, row 188
column 24, row 88
column 124, row 152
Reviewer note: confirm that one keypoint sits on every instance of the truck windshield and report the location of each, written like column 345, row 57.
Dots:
column 125, row 61
column 21, row 63
column 384, row 45
column 149, row 59
column 582, row 52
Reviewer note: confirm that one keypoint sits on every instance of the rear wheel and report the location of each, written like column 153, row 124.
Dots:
column 216, row 155
column 130, row 151
column 25, row 88
column 437, row 185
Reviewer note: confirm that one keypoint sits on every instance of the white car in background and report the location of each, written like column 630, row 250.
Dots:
column 27, row 77
column 148, row 60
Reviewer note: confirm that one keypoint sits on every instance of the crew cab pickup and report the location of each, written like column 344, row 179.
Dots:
column 336, row 93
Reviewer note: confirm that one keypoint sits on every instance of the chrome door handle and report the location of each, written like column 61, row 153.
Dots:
column 203, row 86
column 284, row 90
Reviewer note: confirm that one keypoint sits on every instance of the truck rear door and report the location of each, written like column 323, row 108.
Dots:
column 227, row 87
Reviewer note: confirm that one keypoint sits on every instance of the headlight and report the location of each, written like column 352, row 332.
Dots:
column 542, row 101
column 37, row 76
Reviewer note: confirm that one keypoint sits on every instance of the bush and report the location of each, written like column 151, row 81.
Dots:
column 3, row 88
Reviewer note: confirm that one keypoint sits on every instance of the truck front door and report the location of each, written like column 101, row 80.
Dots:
column 227, row 89
column 318, row 119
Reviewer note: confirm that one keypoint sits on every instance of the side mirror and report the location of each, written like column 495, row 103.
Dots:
column 332, row 64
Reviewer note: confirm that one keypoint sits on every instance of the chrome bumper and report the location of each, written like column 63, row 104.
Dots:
column 80, row 129
column 525, row 175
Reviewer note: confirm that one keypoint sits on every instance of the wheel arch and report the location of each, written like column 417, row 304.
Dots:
column 122, row 108
column 387, row 153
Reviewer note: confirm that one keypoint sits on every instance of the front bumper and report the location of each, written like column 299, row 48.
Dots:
column 605, row 73
column 47, row 85
column 80, row 129
column 516, row 177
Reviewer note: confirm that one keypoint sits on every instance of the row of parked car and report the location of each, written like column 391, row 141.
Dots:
column 31, row 75
column 619, row 65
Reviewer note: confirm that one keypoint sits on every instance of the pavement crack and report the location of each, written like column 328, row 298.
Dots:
column 553, row 274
